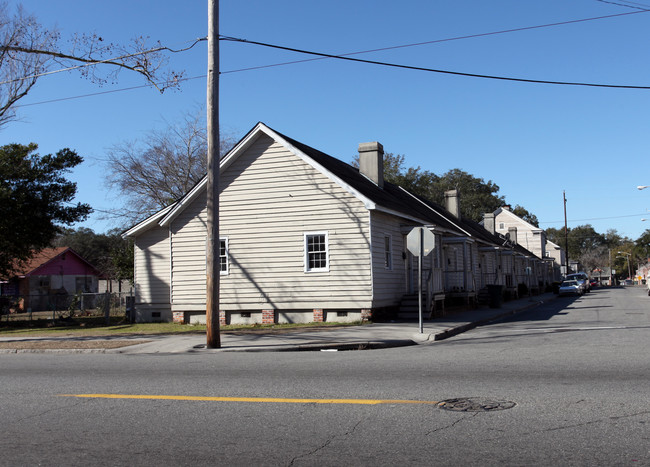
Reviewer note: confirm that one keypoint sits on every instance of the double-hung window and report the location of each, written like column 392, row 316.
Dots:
column 223, row 256
column 388, row 252
column 316, row 252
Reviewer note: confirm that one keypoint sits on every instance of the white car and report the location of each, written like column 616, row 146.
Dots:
column 570, row 287
column 583, row 280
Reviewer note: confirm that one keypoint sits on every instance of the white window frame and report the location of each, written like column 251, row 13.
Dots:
column 388, row 252
column 227, row 256
column 306, row 237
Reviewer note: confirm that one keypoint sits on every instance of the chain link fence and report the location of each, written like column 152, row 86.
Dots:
column 66, row 306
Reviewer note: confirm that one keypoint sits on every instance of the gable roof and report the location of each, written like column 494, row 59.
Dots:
column 514, row 216
column 391, row 199
column 43, row 257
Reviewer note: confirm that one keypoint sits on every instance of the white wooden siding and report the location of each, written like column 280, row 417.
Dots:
column 269, row 199
column 151, row 272
column 525, row 236
column 389, row 284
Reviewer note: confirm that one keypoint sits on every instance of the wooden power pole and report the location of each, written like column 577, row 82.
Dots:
column 213, row 268
column 566, row 237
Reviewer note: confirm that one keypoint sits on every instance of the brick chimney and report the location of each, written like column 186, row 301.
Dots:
column 452, row 202
column 488, row 222
column 371, row 162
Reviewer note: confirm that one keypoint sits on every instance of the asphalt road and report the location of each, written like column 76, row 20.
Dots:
column 577, row 371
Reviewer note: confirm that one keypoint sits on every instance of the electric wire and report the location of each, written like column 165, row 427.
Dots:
column 434, row 70
column 436, row 41
column 342, row 56
column 623, row 4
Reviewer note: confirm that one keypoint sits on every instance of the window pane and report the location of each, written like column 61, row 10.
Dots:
column 388, row 263
column 316, row 252
column 223, row 257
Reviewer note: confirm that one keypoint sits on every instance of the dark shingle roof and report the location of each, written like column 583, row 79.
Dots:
column 390, row 197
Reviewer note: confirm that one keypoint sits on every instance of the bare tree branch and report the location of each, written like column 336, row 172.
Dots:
column 29, row 51
column 152, row 173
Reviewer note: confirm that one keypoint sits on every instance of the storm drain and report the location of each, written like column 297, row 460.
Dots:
column 475, row 404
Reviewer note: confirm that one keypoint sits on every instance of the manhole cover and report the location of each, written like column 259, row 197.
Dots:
column 475, row 404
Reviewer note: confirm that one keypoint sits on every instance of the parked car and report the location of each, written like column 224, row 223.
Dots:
column 582, row 278
column 594, row 283
column 571, row 287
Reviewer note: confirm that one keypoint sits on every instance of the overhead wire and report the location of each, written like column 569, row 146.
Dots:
column 346, row 56
column 434, row 70
column 624, row 4
column 436, row 41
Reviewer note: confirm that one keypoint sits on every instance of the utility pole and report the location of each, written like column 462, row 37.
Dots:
column 213, row 268
column 566, row 235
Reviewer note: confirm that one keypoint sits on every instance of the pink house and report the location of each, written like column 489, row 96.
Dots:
column 51, row 275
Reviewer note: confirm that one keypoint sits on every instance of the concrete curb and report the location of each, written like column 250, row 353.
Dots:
column 54, row 351
column 466, row 327
column 313, row 347
column 333, row 345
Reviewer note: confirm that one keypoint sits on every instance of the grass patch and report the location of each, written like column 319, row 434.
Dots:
column 97, row 327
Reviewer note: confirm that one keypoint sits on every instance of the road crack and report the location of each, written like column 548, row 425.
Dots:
column 326, row 443
column 583, row 424
column 55, row 409
column 451, row 425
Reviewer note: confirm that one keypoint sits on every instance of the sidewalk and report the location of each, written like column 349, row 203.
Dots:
column 367, row 336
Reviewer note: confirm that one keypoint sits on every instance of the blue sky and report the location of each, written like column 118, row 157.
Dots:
column 532, row 140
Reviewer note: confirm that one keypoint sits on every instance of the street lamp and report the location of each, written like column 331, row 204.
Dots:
column 629, row 271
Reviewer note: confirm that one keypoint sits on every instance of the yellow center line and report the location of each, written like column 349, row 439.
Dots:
column 251, row 399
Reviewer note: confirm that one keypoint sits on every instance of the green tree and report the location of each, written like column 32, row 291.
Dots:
column 476, row 195
column 35, row 201
column 523, row 213
column 413, row 179
column 108, row 252
column 590, row 248
column 122, row 260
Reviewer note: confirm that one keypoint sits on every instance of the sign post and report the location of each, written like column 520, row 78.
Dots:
column 420, row 242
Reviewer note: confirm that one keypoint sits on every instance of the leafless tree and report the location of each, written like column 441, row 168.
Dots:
column 152, row 173
column 29, row 51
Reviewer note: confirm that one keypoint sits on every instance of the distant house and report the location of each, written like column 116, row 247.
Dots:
column 50, row 276
column 496, row 259
column 530, row 237
column 557, row 253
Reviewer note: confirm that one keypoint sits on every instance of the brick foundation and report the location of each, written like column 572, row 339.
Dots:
column 268, row 316
column 178, row 317
column 318, row 315
column 366, row 314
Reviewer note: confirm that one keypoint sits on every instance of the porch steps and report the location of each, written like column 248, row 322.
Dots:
column 408, row 307
column 483, row 296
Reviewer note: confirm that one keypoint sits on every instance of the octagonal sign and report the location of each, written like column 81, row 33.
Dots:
column 425, row 236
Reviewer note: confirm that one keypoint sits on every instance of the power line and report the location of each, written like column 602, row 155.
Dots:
column 99, row 93
column 342, row 56
column 434, row 70
column 624, row 4
column 436, row 41
column 595, row 218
